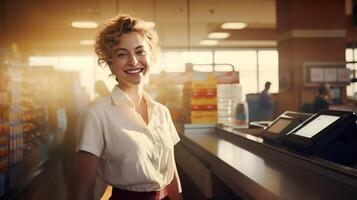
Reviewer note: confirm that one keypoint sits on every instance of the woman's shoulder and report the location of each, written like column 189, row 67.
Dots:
column 99, row 104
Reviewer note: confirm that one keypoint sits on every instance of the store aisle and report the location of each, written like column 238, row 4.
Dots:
column 56, row 182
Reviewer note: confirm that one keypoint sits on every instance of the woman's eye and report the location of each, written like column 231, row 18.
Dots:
column 141, row 53
column 120, row 55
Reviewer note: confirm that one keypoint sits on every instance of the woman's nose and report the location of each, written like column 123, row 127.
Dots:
column 132, row 59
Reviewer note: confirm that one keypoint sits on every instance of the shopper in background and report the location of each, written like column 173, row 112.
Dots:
column 101, row 89
column 323, row 100
column 127, row 138
column 266, row 103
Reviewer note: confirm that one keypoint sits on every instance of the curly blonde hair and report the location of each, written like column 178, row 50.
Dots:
column 108, row 38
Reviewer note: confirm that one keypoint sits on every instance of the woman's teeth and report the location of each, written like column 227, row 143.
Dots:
column 133, row 71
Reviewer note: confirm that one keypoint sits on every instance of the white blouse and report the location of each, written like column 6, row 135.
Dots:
column 132, row 155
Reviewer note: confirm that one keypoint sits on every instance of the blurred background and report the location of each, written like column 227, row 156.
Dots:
column 48, row 70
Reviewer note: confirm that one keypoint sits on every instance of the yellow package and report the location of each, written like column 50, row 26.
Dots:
column 203, row 117
column 203, row 100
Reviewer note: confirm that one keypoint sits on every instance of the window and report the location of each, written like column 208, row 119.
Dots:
column 268, row 69
column 351, row 59
column 175, row 60
column 246, row 63
column 255, row 66
column 81, row 64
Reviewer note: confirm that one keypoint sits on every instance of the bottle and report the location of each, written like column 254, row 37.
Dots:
column 224, row 104
column 240, row 115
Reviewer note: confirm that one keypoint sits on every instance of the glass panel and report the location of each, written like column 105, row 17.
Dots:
column 245, row 62
column 351, row 89
column 350, row 66
column 268, row 58
column 83, row 65
column 248, row 80
column 201, row 57
column 268, row 70
column 270, row 75
column 242, row 60
column 349, row 55
column 175, row 60
column 42, row 61
column 354, row 55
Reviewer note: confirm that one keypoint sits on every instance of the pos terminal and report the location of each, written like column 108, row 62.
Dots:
column 282, row 125
column 329, row 134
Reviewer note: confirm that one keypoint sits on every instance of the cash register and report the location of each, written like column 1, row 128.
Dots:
column 329, row 134
column 276, row 131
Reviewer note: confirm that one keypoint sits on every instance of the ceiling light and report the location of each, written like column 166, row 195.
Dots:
column 234, row 25
column 87, row 42
column 218, row 35
column 84, row 24
column 209, row 42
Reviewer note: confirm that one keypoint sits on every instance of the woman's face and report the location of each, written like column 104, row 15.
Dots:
column 131, row 60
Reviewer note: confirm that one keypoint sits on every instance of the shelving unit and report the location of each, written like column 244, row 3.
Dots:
column 11, row 126
column 24, row 125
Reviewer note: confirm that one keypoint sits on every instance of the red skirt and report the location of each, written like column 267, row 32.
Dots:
column 163, row 194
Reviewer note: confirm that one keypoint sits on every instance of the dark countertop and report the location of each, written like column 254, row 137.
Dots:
column 256, row 170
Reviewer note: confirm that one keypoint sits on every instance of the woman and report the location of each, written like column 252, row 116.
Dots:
column 127, row 138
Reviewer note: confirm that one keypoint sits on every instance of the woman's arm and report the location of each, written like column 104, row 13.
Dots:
column 174, row 190
column 86, row 174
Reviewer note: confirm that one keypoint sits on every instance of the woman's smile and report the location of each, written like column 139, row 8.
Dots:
column 134, row 71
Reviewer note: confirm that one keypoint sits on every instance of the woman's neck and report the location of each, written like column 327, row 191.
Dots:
column 135, row 93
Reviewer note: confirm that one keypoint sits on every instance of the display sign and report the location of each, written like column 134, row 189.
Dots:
column 325, row 72
column 279, row 125
column 316, row 125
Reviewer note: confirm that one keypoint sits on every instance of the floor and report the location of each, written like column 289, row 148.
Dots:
column 55, row 182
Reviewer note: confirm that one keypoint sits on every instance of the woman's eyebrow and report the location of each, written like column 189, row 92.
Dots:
column 139, row 47
column 120, row 49
column 123, row 49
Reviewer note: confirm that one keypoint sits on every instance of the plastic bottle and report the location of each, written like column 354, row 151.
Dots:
column 228, row 95
column 240, row 115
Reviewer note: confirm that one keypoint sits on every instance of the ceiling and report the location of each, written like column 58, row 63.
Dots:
column 43, row 27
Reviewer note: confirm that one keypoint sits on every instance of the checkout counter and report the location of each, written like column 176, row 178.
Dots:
column 226, row 163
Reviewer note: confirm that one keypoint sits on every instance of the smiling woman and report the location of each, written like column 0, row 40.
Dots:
column 130, row 60
column 126, row 138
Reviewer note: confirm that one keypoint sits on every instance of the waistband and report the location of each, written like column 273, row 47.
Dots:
column 120, row 194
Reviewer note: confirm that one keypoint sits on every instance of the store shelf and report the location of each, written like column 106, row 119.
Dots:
column 24, row 132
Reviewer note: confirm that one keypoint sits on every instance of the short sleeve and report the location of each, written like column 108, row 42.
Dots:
column 89, row 136
column 174, row 135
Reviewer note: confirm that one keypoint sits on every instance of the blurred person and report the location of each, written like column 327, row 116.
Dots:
column 323, row 99
column 126, row 138
column 101, row 89
column 266, row 103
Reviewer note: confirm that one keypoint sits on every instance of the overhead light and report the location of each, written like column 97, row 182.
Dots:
column 218, row 35
column 234, row 25
column 87, row 42
column 209, row 42
column 84, row 24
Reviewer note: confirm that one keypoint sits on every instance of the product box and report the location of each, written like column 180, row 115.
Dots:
column 203, row 117
column 200, row 101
